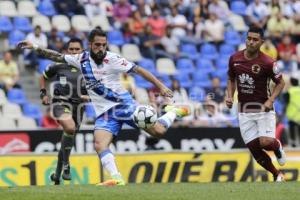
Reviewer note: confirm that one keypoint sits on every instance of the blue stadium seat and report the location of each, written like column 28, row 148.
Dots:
column 189, row 50
column 90, row 112
column 197, row 94
column 185, row 65
column 201, row 79
column 226, row 50
column 165, row 79
column 46, row 8
column 43, row 64
column 232, row 38
column 209, row 51
column 22, row 24
column 148, row 64
column 33, row 111
column 14, row 37
column 16, row 96
column 205, row 65
column 238, row 7
column 115, row 37
column 141, row 82
column 5, row 24
column 184, row 80
column 222, row 63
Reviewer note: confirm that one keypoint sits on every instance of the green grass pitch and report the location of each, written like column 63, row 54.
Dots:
column 184, row 191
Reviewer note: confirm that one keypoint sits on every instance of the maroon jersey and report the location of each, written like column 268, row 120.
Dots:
column 253, row 79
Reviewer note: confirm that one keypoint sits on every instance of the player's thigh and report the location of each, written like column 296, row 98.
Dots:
column 267, row 124
column 248, row 127
column 63, row 114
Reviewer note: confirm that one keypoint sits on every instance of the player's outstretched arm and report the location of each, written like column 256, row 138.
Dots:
column 47, row 53
column 164, row 90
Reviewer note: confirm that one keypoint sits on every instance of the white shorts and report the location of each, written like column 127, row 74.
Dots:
column 254, row 125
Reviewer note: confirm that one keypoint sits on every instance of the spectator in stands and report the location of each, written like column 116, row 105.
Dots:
column 157, row 23
column 121, row 12
column 275, row 8
column 269, row 48
column 257, row 13
column 68, row 7
column 286, row 46
column 277, row 26
column 213, row 29
column 9, row 72
column 215, row 92
column 178, row 23
column 295, row 33
column 219, row 7
column 179, row 94
column 171, row 44
column 280, row 132
column 128, row 83
column 48, row 120
column 52, row 37
column 91, row 8
column 39, row 38
column 144, row 8
column 286, row 64
column 200, row 11
column 136, row 26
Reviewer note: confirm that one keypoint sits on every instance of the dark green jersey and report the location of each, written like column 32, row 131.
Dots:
column 68, row 81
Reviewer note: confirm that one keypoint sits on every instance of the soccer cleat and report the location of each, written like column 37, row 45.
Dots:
column 116, row 180
column 66, row 172
column 54, row 179
column 181, row 111
column 279, row 178
column 280, row 155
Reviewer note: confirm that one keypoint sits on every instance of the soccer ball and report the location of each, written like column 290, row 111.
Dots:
column 145, row 116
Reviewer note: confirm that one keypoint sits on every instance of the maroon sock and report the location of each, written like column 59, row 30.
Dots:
column 273, row 145
column 262, row 157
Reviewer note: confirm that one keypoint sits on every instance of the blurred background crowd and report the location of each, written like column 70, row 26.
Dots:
column 185, row 43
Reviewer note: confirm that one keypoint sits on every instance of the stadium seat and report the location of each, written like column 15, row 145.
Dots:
column 189, row 50
column 165, row 66
column 226, row 50
column 165, row 79
column 238, row 7
column 115, row 37
column 209, row 51
column 61, row 22
column 201, row 79
column 232, row 38
column 33, row 111
column 141, row 95
column 185, row 65
column 43, row 64
column 141, row 82
column 3, row 98
column 26, row 123
column 7, row 123
column 22, row 24
column 8, row 8
column 148, row 64
column 131, row 52
column 46, row 7
column 197, row 94
column 102, row 21
column 17, row 96
column 237, row 22
column 42, row 21
column 5, row 24
column 184, row 80
column 114, row 48
column 222, row 64
column 80, row 23
column 11, row 110
column 14, row 37
column 26, row 8
column 205, row 65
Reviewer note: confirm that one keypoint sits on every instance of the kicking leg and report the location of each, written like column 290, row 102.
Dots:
column 272, row 144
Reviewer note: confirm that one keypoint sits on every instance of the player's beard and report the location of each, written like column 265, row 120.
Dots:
column 98, row 57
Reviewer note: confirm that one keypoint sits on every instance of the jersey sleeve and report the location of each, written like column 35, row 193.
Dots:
column 231, row 74
column 73, row 60
column 274, row 72
column 50, row 71
column 122, row 65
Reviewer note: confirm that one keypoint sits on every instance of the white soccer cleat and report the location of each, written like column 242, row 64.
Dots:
column 280, row 155
column 279, row 178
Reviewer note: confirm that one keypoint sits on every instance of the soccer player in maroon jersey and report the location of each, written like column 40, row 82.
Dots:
column 250, row 72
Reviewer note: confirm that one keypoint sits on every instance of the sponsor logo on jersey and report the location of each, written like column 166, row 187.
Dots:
column 245, row 78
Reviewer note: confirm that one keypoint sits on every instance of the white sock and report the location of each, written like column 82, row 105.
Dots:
column 167, row 119
column 108, row 162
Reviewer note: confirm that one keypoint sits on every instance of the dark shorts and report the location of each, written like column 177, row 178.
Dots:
column 60, row 108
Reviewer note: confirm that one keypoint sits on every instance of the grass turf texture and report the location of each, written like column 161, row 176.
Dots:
column 184, row 191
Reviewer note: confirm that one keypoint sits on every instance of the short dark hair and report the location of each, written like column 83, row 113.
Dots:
column 255, row 29
column 96, row 32
column 75, row 40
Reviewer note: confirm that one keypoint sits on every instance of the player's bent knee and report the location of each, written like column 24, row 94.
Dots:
column 264, row 141
column 157, row 131
column 70, row 130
